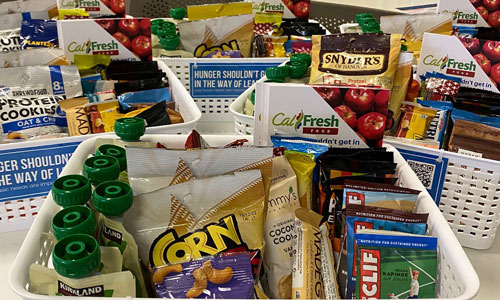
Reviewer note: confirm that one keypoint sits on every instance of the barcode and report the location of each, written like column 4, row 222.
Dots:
column 424, row 171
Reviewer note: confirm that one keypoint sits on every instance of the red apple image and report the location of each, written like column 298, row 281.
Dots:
column 347, row 114
column 491, row 4
column 492, row 50
column 493, row 81
column 130, row 27
column 361, row 137
column 108, row 25
column 372, row 126
column 472, row 45
column 105, row 2
column 483, row 12
column 122, row 39
column 360, row 100
column 495, row 73
column 484, row 62
column 301, row 9
column 288, row 4
column 141, row 46
column 330, row 94
column 476, row 3
column 380, row 143
column 494, row 19
column 382, row 102
column 117, row 6
column 145, row 26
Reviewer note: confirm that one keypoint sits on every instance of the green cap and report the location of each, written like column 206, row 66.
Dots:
column 302, row 57
column 371, row 28
column 130, row 129
column 360, row 18
column 178, row 13
column 116, row 151
column 71, row 190
column 76, row 256
column 277, row 73
column 101, row 168
column 170, row 42
column 113, row 198
column 298, row 69
column 72, row 220
column 166, row 28
column 252, row 97
column 155, row 25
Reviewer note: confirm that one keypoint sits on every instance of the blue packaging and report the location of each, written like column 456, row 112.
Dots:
column 472, row 117
column 300, row 144
column 147, row 96
column 437, row 129
column 39, row 34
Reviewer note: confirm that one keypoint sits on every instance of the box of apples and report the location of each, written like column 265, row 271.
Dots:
column 476, row 62
column 342, row 116
column 121, row 38
column 96, row 8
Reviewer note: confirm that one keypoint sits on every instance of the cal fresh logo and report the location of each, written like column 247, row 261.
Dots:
column 307, row 123
column 369, row 286
column 451, row 66
column 66, row 290
column 90, row 5
column 168, row 248
column 268, row 7
column 461, row 17
column 94, row 48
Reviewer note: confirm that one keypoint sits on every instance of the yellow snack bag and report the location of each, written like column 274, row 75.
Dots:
column 268, row 18
column 78, row 121
column 74, row 13
column 210, row 11
column 415, row 121
column 355, row 59
column 109, row 116
column 400, row 87
column 303, row 166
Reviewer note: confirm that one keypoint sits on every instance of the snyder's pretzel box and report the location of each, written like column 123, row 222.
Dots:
column 342, row 116
column 476, row 62
column 122, row 38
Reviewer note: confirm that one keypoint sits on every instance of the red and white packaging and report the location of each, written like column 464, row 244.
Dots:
column 95, row 8
column 289, row 8
column 476, row 62
column 474, row 13
column 343, row 116
column 122, row 39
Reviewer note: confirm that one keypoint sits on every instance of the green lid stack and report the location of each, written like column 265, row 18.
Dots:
column 115, row 151
column 113, row 198
column 73, row 220
column 76, row 256
column 71, row 190
column 368, row 23
column 277, row 74
column 102, row 168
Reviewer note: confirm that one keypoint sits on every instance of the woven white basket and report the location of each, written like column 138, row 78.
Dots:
column 470, row 200
column 456, row 278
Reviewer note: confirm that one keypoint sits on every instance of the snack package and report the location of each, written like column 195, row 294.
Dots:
column 38, row 81
column 210, row 11
column 339, row 116
column 146, row 96
column 364, row 217
column 32, row 117
column 303, row 166
column 78, row 122
column 14, row 21
column 439, row 87
column 220, row 34
column 439, row 123
column 328, row 265
column 121, row 39
column 275, row 46
column 400, row 86
column 95, row 9
column 266, row 23
column 307, row 279
column 290, row 10
column 474, row 139
column 279, row 228
column 415, row 121
column 355, row 59
column 33, row 57
column 412, row 28
column 12, row 7
column 226, row 276
column 10, row 40
column 94, row 112
column 412, row 260
column 379, row 195
column 39, row 34
column 45, row 281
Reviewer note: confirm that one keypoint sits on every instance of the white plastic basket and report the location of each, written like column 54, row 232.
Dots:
column 470, row 200
column 17, row 210
column 456, row 278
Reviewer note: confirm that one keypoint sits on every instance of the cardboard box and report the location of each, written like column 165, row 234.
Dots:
column 464, row 12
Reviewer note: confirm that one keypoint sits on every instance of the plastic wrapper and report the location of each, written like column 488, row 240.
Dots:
column 219, row 34
column 360, row 59
column 146, row 96
column 39, row 34
column 210, row 11
column 78, row 122
column 474, row 139
column 20, row 6
column 438, row 126
column 10, row 40
column 415, row 121
column 33, row 57
column 399, row 90
column 14, row 21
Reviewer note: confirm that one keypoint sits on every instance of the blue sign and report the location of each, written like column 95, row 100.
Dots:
column 225, row 80
column 30, row 172
column 429, row 168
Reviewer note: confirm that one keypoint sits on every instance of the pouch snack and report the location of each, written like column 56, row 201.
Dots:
column 415, row 121
column 13, row 21
column 210, row 11
column 234, row 33
column 78, row 122
column 474, row 139
column 355, row 59
column 307, row 279
column 328, row 265
column 279, row 227
column 10, row 40
column 39, row 34
column 33, row 57
column 402, row 79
